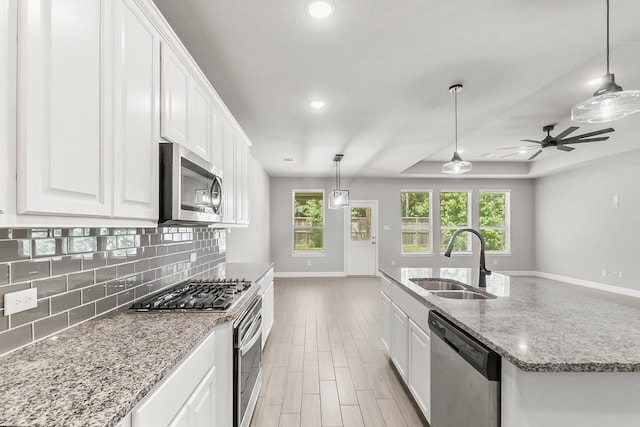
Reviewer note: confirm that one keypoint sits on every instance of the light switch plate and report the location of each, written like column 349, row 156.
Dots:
column 15, row 302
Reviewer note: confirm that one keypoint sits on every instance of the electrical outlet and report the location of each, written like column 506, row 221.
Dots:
column 309, row 263
column 393, row 262
column 15, row 302
column 604, row 273
column 616, row 202
column 386, row 227
column 619, row 274
column 192, row 257
column 495, row 262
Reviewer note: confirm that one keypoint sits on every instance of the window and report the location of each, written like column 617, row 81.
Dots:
column 360, row 224
column 455, row 213
column 308, row 221
column 494, row 220
column 416, row 222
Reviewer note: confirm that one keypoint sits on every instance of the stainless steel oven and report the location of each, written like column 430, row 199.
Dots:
column 247, row 362
column 190, row 187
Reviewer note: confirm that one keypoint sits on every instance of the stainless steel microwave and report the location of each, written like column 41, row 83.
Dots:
column 190, row 187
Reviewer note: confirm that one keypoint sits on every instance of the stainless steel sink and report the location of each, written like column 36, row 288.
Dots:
column 464, row 294
column 437, row 285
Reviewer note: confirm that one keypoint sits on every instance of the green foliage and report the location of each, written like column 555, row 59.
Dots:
column 309, row 206
column 460, row 245
column 415, row 205
column 492, row 206
column 494, row 240
column 454, row 209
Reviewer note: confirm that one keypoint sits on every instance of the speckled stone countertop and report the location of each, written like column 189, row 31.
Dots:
column 537, row 324
column 93, row 374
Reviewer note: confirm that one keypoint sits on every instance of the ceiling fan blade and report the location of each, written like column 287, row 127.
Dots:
column 566, row 132
column 508, row 148
column 535, row 155
column 594, row 133
column 571, row 141
column 564, row 148
column 508, row 155
column 531, row 140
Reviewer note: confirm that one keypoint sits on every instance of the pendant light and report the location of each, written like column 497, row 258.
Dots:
column 456, row 166
column 338, row 198
column 609, row 102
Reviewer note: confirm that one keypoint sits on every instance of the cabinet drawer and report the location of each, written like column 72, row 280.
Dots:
column 417, row 311
column 161, row 405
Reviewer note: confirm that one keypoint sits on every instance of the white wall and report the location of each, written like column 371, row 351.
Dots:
column 579, row 232
column 387, row 192
column 252, row 243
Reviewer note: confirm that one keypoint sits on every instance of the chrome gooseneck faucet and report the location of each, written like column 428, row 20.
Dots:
column 482, row 281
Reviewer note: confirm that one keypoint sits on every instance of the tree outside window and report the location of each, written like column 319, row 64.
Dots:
column 455, row 213
column 308, row 221
column 416, row 221
column 494, row 214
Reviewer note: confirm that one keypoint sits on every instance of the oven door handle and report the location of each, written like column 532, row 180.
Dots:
column 256, row 330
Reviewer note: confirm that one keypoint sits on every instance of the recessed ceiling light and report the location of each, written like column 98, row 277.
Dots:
column 317, row 104
column 289, row 160
column 320, row 9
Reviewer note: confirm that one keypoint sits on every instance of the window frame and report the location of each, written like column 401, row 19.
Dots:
column 458, row 227
column 305, row 253
column 507, row 220
column 430, row 226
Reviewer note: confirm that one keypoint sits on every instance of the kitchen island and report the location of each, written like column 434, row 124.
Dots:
column 570, row 355
column 95, row 373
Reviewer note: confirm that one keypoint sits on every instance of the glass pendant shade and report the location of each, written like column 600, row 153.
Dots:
column 608, row 103
column 456, row 166
column 339, row 199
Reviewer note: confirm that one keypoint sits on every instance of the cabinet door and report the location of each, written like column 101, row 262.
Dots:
column 199, row 118
column 63, row 160
column 419, row 378
column 229, row 181
column 201, row 405
column 182, row 419
column 136, row 113
column 267, row 312
column 217, row 141
column 174, row 90
column 8, row 38
column 242, row 181
column 386, row 323
column 399, row 340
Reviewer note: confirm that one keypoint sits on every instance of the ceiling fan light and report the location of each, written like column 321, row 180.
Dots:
column 456, row 166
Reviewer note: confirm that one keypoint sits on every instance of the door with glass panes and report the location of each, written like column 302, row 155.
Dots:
column 361, row 231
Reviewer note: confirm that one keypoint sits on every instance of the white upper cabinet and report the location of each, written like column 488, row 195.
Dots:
column 242, row 181
column 229, row 179
column 175, row 88
column 199, row 121
column 136, row 120
column 63, row 166
column 7, row 102
column 216, row 126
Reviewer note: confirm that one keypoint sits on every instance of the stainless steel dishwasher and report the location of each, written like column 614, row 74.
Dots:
column 465, row 378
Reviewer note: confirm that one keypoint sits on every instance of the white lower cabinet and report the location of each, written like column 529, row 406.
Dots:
column 268, row 304
column 399, row 340
column 419, row 378
column 386, row 323
column 198, row 392
column 407, row 344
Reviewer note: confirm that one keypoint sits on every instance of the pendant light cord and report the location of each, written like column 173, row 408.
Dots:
column 607, row 37
column 337, row 175
column 455, row 94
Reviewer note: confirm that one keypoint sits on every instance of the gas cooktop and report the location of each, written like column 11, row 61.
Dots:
column 196, row 295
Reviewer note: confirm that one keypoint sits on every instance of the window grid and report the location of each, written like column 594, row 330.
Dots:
column 308, row 221
column 416, row 229
column 498, row 238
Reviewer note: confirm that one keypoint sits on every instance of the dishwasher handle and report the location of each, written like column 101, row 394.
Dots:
column 479, row 356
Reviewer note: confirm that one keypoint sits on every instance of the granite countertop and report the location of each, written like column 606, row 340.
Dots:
column 93, row 374
column 538, row 324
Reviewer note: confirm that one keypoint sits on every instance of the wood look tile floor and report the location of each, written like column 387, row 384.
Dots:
column 324, row 364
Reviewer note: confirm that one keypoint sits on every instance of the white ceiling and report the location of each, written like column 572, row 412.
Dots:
column 384, row 68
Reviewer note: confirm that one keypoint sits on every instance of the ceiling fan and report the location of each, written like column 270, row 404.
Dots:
column 560, row 141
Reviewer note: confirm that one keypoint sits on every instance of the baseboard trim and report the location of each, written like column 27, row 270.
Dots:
column 309, row 274
column 579, row 282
